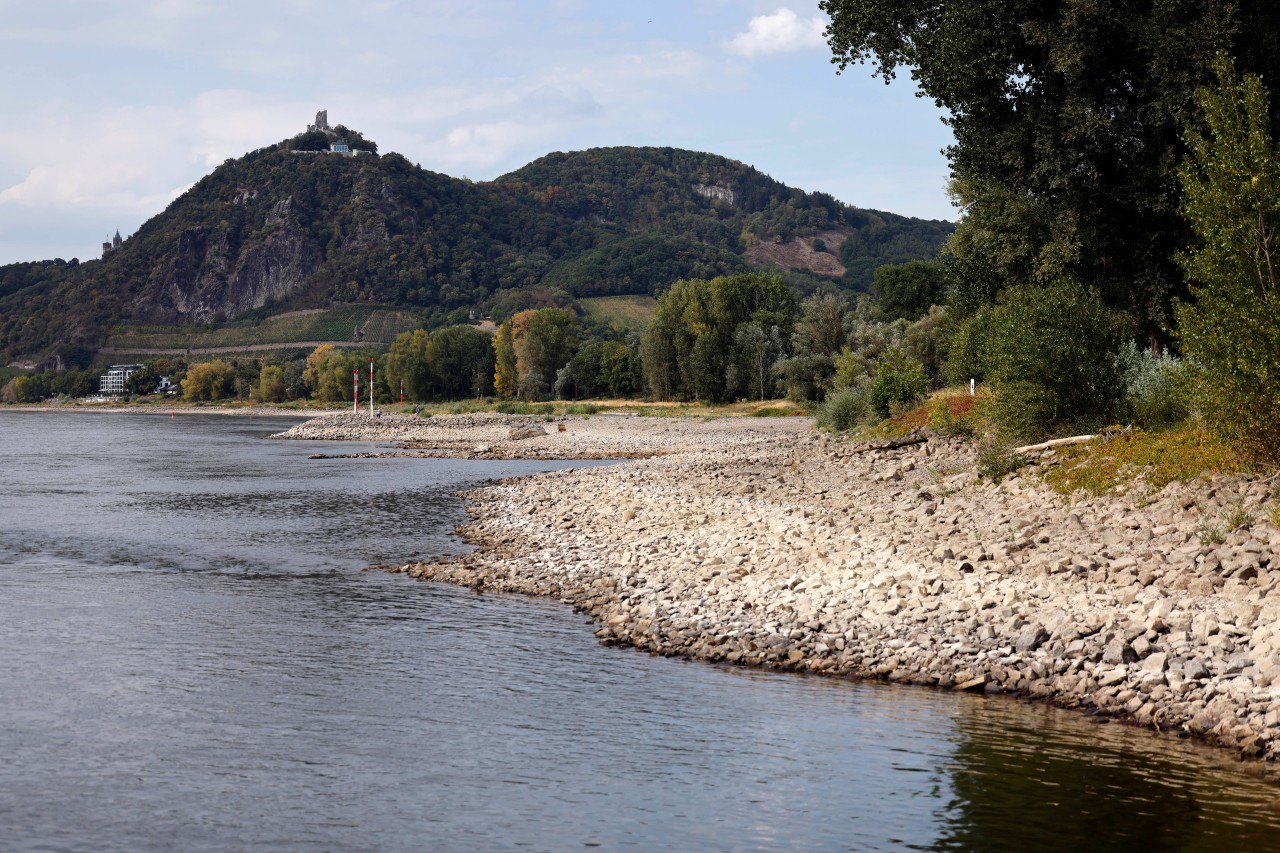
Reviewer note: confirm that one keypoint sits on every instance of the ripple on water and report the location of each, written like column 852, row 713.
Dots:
column 195, row 659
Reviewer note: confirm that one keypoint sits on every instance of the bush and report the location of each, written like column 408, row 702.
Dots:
column 996, row 459
column 1154, row 387
column 899, row 380
column 843, row 409
column 1051, row 358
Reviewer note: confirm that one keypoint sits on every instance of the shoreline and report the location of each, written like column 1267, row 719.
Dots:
column 778, row 547
column 133, row 409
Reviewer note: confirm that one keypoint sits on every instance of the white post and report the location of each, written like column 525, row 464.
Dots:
column 972, row 387
column 355, row 390
column 370, row 386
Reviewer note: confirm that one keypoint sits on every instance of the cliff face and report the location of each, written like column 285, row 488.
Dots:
column 207, row 278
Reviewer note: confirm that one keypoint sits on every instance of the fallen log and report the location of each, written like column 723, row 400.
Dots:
column 1057, row 442
column 892, row 444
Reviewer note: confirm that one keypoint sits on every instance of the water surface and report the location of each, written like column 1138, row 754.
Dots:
column 192, row 657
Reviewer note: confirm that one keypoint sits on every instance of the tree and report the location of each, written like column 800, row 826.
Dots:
column 907, row 291
column 211, row 380
column 271, row 384
column 461, row 360
column 1070, row 112
column 504, row 375
column 1230, row 330
column 689, row 349
column 544, row 340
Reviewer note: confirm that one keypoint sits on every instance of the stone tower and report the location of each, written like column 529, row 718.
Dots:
column 322, row 123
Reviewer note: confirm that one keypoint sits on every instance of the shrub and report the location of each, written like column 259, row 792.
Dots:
column 1154, row 387
column 953, row 414
column 900, row 380
column 1050, row 356
column 996, row 458
column 843, row 409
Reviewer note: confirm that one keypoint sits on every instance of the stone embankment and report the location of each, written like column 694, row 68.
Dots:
column 785, row 548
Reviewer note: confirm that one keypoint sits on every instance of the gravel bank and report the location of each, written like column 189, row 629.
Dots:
column 769, row 545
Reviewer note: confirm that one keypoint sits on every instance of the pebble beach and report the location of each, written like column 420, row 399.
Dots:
column 762, row 542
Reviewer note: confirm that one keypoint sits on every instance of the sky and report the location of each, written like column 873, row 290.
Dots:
column 112, row 110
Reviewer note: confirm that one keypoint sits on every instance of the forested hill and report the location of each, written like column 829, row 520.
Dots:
column 279, row 230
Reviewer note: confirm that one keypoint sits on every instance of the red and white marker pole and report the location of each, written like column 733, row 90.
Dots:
column 402, row 393
column 355, row 389
column 370, row 386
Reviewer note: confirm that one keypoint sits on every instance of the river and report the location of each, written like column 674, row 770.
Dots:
column 193, row 657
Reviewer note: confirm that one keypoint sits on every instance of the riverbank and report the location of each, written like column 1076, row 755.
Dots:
column 160, row 409
column 772, row 545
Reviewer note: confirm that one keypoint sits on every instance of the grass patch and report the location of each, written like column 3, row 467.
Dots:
column 624, row 312
column 1159, row 458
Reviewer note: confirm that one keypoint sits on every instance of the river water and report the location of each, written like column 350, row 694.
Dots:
column 192, row 657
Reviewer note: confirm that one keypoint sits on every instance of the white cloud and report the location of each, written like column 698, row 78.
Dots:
column 782, row 32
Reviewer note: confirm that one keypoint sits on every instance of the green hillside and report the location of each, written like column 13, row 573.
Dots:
column 281, row 230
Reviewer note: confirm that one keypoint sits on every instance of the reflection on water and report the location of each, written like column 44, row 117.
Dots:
column 191, row 657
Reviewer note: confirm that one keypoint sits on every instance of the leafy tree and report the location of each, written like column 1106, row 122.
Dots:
column 271, row 384
column 211, row 380
column 899, row 380
column 690, row 349
column 1051, row 356
column 1230, row 330
column 504, row 377
column 544, row 341
column 143, row 381
column 599, row 369
column 462, row 360
column 1068, row 120
column 906, row 291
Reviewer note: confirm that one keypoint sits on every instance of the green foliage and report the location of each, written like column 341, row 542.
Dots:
column 1050, row 356
column 843, row 409
column 450, row 364
column 271, row 385
column 211, row 380
column 1068, row 123
column 693, row 348
column 544, row 341
column 907, row 291
column 600, row 369
column 1230, row 331
column 1155, row 387
column 899, row 380
column 996, row 459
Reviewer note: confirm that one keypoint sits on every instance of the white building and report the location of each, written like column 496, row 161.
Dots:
column 112, row 383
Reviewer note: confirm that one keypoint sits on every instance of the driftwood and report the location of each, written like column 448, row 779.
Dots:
column 1057, row 442
column 893, row 443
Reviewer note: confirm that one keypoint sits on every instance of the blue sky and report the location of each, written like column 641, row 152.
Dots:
column 111, row 110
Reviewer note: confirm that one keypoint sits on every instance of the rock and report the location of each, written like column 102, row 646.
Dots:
column 1031, row 639
column 522, row 432
column 1157, row 662
column 1119, row 652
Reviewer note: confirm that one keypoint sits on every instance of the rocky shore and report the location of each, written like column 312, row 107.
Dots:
column 771, row 545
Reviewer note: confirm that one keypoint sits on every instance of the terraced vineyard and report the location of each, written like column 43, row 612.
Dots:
column 364, row 325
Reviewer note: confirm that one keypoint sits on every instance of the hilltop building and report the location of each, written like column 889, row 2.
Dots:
column 336, row 146
column 112, row 245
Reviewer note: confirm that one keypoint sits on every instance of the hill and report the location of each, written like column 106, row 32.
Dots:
column 288, row 228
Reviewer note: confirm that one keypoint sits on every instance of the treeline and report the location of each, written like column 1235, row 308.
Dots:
column 1120, row 186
